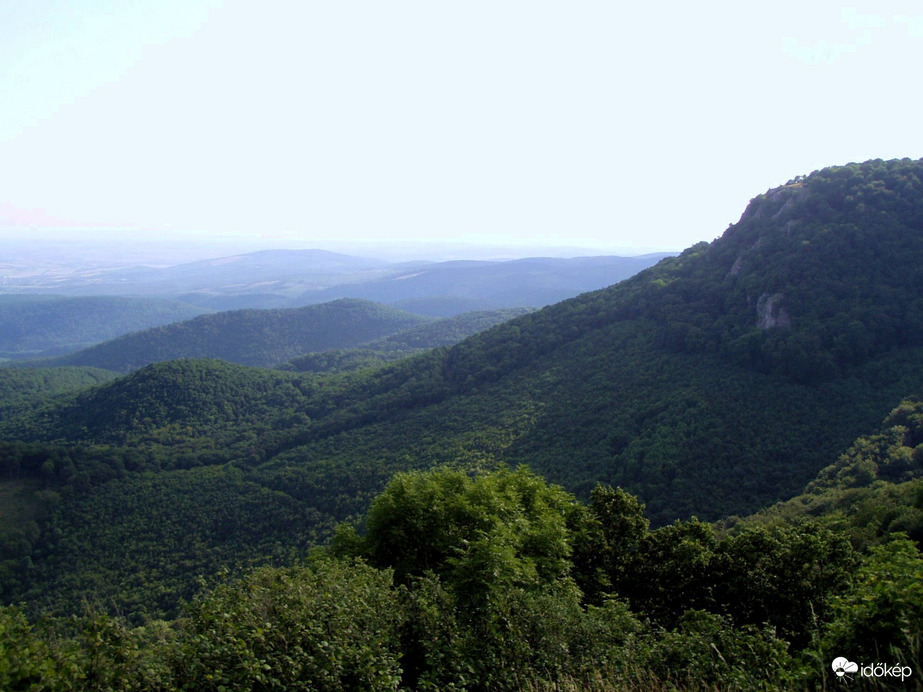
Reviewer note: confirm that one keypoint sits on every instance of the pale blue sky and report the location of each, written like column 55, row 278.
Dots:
column 309, row 124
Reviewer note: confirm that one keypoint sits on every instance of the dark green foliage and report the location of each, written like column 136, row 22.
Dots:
column 477, row 532
column 894, row 454
column 704, row 651
column 136, row 545
column 875, row 488
column 201, row 411
column 342, row 360
column 605, row 536
column 492, row 553
column 93, row 652
column 856, row 229
column 784, row 578
column 689, row 610
column 250, row 337
column 27, row 660
column 671, row 571
column 881, row 616
column 26, row 389
column 723, row 611
column 331, row 626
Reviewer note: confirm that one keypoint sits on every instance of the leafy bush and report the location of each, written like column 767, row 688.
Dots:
column 881, row 616
column 328, row 626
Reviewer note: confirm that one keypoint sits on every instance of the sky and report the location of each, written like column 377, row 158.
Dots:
column 607, row 125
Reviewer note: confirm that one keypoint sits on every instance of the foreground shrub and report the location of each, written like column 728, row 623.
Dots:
column 331, row 625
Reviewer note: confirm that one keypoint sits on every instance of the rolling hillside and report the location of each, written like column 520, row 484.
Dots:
column 250, row 337
column 715, row 383
column 25, row 389
column 441, row 332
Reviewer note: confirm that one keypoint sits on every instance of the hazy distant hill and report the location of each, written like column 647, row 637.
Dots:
column 715, row 383
column 250, row 337
column 37, row 325
column 448, row 288
column 266, row 272
column 295, row 278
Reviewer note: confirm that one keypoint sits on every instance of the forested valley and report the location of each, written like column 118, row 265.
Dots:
column 707, row 476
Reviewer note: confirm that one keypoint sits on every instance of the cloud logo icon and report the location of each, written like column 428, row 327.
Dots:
column 842, row 666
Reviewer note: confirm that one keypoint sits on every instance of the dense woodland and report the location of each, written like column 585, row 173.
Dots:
column 456, row 580
column 706, row 475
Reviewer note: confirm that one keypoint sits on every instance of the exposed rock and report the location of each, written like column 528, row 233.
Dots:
column 770, row 313
column 779, row 202
column 754, row 209
column 738, row 264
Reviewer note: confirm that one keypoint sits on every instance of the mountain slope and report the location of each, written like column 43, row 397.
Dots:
column 715, row 383
column 873, row 491
column 818, row 275
column 250, row 337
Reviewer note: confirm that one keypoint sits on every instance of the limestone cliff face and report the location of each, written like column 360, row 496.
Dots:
column 770, row 313
column 777, row 204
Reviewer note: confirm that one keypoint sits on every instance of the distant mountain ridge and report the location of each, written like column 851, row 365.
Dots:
column 274, row 268
column 295, row 278
column 445, row 288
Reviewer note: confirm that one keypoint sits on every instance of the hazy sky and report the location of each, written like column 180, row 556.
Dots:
column 307, row 123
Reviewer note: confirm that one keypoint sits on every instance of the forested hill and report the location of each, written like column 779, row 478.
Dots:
column 818, row 276
column 441, row 332
column 715, row 383
column 720, row 377
column 48, row 325
column 250, row 337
